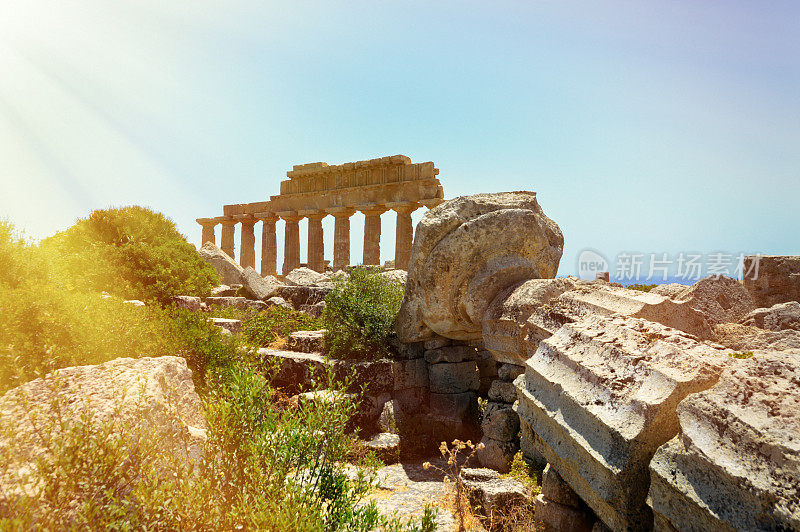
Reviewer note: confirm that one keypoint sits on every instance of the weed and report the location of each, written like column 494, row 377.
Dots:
column 458, row 456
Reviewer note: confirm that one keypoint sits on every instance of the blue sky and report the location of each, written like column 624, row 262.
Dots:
column 643, row 126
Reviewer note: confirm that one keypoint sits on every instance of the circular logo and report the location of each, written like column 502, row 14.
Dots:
column 590, row 263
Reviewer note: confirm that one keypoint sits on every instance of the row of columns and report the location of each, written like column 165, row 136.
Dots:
column 316, row 245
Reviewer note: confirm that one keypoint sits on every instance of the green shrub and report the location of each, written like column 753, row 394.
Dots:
column 641, row 287
column 743, row 355
column 262, row 327
column 359, row 314
column 131, row 252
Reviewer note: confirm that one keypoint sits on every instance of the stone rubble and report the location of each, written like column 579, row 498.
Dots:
column 778, row 317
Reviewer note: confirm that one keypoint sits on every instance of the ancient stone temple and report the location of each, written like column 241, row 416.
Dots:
column 316, row 190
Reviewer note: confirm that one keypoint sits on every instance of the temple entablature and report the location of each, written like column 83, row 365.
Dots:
column 316, row 190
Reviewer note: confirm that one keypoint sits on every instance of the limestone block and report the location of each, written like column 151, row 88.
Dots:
column 410, row 374
column 467, row 250
column 778, row 279
column 500, row 422
column 600, row 396
column 306, row 277
column 555, row 489
column 386, row 447
column 375, row 376
column 255, row 304
column 454, row 378
column 509, row 372
column 225, row 302
column 306, row 341
column 223, row 290
column 558, row 518
column 315, row 310
column 735, row 465
column 398, row 276
column 257, row 287
column 405, row 351
column 227, row 268
column 451, row 353
column 292, row 370
column 504, row 392
column 410, row 400
column 670, row 290
column 191, row 303
column 437, row 342
column 135, row 302
column 778, row 317
column 233, row 326
column 278, row 302
column 486, row 364
column 497, row 454
column 507, row 331
column 304, row 295
column 455, row 405
column 496, row 496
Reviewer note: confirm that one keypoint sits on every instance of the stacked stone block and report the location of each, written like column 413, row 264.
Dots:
column 500, row 422
column 559, row 508
column 453, row 385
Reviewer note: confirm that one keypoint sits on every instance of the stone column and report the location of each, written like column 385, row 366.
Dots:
column 228, row 230
column 291, row 246
column 405, row 233
column 341, row 236
column 372, row 234
column 247, row 255
column 316, row 242
column 208, row 229
column 269, row 244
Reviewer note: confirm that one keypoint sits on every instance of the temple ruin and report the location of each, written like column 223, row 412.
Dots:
column 316, row 190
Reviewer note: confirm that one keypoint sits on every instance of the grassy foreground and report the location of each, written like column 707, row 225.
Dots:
column 264, row 466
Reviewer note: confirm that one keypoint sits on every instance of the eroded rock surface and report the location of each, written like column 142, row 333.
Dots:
column 464, row 254
column 736, row 463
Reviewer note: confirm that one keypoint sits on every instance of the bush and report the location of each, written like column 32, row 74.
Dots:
column 131, row 252
column 359, row 314
column 261, row 328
